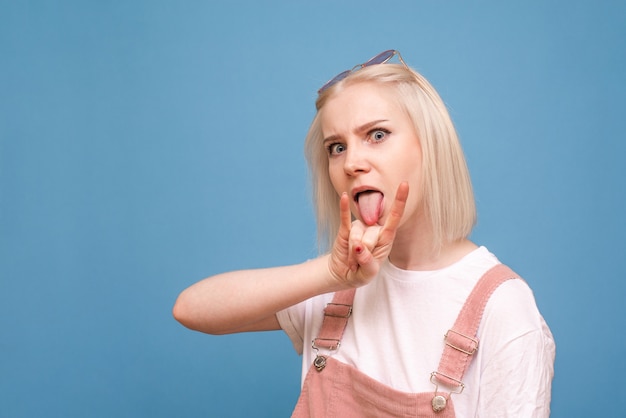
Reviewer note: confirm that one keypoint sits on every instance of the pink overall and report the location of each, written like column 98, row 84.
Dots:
column 334, row 389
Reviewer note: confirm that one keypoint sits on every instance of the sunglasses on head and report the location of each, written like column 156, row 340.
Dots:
column 381, row 58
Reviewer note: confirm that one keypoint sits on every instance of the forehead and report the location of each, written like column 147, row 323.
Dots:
column 358, row 104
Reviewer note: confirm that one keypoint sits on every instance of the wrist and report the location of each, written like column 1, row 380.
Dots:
column 334, row 281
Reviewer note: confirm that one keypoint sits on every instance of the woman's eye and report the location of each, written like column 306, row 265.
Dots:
column 378, row 135
column 334, row 149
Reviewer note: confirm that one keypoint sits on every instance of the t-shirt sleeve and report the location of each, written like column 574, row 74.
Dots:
column 516, row 378
column 292, row 320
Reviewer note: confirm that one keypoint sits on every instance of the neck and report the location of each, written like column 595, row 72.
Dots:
column 414, row 251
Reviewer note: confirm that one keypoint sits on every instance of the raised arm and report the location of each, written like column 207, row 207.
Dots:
column 248, row 300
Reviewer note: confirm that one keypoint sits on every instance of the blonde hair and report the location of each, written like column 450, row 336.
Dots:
column 447, row 189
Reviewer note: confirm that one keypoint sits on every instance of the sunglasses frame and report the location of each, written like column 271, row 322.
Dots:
column 381, row 58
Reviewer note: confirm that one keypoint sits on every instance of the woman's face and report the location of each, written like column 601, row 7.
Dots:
column 372, row 147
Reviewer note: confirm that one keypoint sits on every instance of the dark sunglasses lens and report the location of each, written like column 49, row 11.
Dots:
column 380, row 58
column 341, row 76
column 335, row 80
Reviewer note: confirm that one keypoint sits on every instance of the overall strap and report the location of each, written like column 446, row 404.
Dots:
column 336, row 315
column 461, row 341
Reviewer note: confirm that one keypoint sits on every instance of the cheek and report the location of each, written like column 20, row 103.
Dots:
column 335, row 177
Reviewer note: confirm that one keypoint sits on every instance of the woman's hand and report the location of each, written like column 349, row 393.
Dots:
column 359, row 249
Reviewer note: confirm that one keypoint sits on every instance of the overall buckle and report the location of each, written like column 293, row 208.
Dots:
column 439, row 402
column 469, row 347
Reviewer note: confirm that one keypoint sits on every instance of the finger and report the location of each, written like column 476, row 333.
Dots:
column 366, row 261
column 357, row 230
column 345, row 229
column 344, row 215
column 396, row 212
column 370, row 237
column 355, row 244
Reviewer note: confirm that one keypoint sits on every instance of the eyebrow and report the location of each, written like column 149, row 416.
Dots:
column 360, row 129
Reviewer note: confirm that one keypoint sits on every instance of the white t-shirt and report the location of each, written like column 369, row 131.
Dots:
column 395, row 335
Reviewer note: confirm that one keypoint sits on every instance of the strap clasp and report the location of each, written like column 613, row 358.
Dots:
column 452, row 340
column 338, row 310
column 327, row 343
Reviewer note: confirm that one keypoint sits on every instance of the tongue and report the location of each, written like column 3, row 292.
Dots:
column 370, row 206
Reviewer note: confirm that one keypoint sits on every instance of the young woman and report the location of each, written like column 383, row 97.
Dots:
column 404, row 315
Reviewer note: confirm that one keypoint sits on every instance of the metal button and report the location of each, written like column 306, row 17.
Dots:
column 319, row 363
column 439, row 403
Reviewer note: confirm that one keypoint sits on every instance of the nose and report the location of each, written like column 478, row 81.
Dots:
column 356, row 160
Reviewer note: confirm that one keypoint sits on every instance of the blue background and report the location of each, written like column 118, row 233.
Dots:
column 145, row 145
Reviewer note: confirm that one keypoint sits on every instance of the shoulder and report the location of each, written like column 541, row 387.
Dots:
column 512, row 314
column 512, row 300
